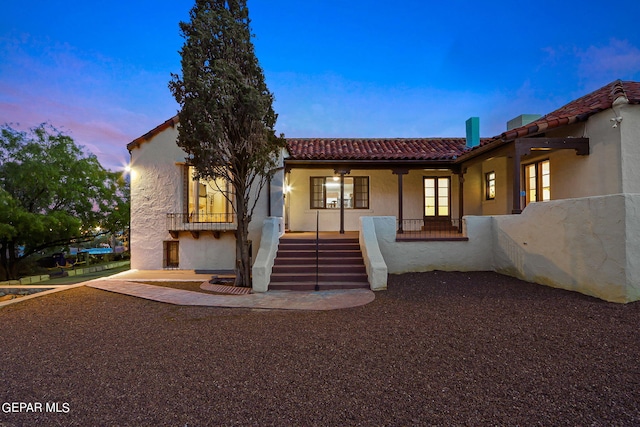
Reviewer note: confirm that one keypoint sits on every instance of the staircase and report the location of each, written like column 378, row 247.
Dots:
column 340, row 264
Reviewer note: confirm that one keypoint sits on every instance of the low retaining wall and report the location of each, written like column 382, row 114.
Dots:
column 272, row 229
column 375, row 265
column 404, row 257
column 590, row 245
column 72, row 272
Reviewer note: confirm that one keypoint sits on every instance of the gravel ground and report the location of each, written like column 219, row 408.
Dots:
column 435, row 349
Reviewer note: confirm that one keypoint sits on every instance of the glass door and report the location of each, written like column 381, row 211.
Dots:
column 437, row 198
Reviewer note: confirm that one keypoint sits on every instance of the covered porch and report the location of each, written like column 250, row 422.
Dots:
column 331, row 198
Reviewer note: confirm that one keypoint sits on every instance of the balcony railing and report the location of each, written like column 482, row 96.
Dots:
column 421, row 229
column 201, row 222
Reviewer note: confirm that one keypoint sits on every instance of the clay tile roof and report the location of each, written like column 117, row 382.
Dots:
column 375, row 148
column 580, row 109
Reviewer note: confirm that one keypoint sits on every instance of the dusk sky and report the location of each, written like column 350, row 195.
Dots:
column 99, row 70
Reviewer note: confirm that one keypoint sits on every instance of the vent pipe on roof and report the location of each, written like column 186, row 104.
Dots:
column 473, row 132
column 521, row 120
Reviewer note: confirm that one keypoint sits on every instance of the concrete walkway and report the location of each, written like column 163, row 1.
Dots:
column 127, row 283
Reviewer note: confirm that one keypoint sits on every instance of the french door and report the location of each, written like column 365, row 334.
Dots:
column 437, row 197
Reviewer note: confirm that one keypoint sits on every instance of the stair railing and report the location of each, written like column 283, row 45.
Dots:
column 317, row 288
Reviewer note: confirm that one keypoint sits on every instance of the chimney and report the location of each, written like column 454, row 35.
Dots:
column 521, row 120
column 473, row 132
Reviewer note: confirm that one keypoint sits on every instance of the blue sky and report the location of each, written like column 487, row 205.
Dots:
column 338, row 68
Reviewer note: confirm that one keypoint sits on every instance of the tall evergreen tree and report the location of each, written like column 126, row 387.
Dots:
column 226, row 115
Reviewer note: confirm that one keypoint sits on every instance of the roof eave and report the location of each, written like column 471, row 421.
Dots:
column 136, row 143
column 369, row 163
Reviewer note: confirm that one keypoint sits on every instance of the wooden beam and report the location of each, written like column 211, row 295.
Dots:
column 527, row 145
column 174, row 233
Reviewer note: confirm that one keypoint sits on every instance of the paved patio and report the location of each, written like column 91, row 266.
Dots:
column 128, row 283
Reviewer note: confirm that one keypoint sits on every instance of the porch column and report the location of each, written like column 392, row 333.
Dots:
column 460, row 196
column 518, row 152
column 400, row 173
column 342, row 172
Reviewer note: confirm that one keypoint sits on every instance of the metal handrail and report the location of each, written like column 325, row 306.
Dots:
column 427, row 228
column 201, row 222
column 317, row 287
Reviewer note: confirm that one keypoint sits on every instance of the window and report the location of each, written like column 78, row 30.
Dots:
column 206, row 200
column 325, row 192
column 170, row 254
column 537, row 180
column 490, row 185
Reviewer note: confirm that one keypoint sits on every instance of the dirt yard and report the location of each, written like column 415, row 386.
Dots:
column 435, row 349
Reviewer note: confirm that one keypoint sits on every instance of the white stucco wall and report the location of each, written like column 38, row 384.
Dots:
column 272, row 230
column 583, row 245
column 156, row 189
column 153, row 194
column 632, row 234
column 598, row 173
column 590, row 245
column 472, row 255
column 374, row 262
column 629, row 130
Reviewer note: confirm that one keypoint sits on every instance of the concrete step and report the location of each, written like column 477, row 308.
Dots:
column 352, row 260
column 322, row 269
column 328, row 240
column 310, row 286
column 321, row 246
column 323, row 277
column 285, row 253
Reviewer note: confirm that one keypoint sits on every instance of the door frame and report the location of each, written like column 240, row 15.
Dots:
column 436, row 217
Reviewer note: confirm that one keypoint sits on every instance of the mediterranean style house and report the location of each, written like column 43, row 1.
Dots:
column 420, row 204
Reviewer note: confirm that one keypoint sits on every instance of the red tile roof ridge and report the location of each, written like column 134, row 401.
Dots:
column 612, row 94
column 434, row 148
column 580, row 109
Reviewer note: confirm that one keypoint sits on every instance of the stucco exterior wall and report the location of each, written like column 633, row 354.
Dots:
column 613, row 159
column 383, row 198
column 472, row 255
column 583, row 245
column 154, row 192
column 629, row 130
column 475, row 194
column 473, row 190
column 501, row 204
column 156, row 189
column 590, row 245
column 632, row 233
column 598, row 173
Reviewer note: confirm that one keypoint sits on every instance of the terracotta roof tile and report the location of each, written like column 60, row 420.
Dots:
column 375, row 148
column 441, row 148
column 579, row 110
